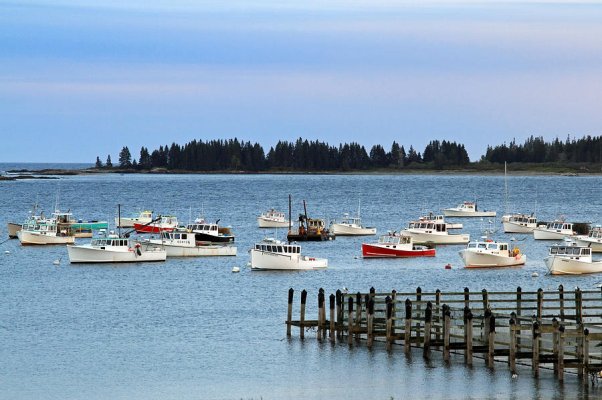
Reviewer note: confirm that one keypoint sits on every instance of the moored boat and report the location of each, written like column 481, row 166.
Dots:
column 434, row 231
column 351, row 226
column 144, row 217
column 272, row 219
column 556, row 230
column 271, row 254
column 519, row 223
column 488, row 253
column 163, row 223
column 210, row 232
column 395, row 246
column 593, row 239
column 182, row 243
column 441, row 218
column 115, row 249
column 13, row 228
column 571, row 259
column 467, row 209
column 54, row 230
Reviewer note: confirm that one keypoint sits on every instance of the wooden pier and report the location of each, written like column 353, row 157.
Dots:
column 559, row 330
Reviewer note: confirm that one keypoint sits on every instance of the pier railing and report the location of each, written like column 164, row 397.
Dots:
column 560, row 330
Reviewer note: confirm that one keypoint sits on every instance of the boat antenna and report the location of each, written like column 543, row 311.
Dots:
column 506, row 188
column 359, row 204
column 290, row 220
column 119, row 219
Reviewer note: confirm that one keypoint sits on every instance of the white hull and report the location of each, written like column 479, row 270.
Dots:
column 518, row 227
column 261, row 260
column 86, row 254
column 545, row 234
column 593, row 243
column 564, row 266
column 129, row 222
column 175, row 250
column 448, row 212
column 270, row 223
column 28, row 237
column 473, row 259
column 351, row 230
column 13, row 229
column 437, row 238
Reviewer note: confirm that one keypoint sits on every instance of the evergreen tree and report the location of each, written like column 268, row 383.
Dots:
column 98, row 163
column 125, row 158
column 109, row 164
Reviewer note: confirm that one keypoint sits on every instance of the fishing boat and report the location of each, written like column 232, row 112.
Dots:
column 54, row 230
column 144, row 217
column 182, row 243
column 32, row 219
column 435, row 232
column 571, row 259
column 308, row 229
column 272, row 219
column 519, row 223
column 488, row 253
column 440, row 218
column 115, row 249
column 13, row 228
column 163, row 223
column 396, row 246
column 351, row 226
column 593, row 239
column 210, row 232
column 467, row 209
column 556, row 230
column 272, row 254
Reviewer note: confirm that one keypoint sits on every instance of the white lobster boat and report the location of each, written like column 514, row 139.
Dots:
column 115, row 249
column 519, row 223
column 441, row 218
column 272, row 219
column 128, row 222
column 180, row 243
column 55, row 230
column 571, row 260
column 467, row 209
column 351, row 226
column 593, row 239
column 271, row 254
column 435, row 232
column 487, row 254
column 556, row 230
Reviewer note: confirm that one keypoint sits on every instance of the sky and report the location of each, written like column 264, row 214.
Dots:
column 81, row 79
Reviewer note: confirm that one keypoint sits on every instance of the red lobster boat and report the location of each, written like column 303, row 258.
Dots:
column 165, row 224
column 392, row 246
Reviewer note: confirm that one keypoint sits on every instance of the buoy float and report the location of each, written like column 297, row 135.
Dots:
column 56, row 262
column 235, row 269
column 534, row 275
column 448, row 266
column 6, row 252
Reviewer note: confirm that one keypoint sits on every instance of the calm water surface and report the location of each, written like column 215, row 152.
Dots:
column 191, row 329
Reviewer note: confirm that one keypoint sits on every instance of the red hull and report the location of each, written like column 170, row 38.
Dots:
column 372, row 251
column 140, row 228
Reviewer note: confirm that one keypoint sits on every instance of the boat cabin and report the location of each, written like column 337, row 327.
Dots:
column 559, row 226
column 428, row 226
column 488, row 246
column 278, row 247
column 595, row 233
column 572, row 252
column 523, row 219
column 110, row 242
column 273, row 214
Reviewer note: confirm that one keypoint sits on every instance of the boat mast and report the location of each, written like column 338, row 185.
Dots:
column 506, row 188
column 119, row 219
column 290, row 220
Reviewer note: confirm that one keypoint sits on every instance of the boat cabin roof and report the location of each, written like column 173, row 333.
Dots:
column 488, row 245
column 395, row 239
column 571, row 250
column 278, row 247
column 110, row 241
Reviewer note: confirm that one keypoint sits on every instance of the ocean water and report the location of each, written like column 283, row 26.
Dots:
column 191, row 329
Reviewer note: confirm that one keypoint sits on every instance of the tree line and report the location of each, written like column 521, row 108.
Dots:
column 306, row 155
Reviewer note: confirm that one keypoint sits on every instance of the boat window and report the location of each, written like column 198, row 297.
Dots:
column 493, row 246
column 587, row 252
column 279, row 249
column 214, row 228
column 472, row 245
column 482, row 246
column 503, row 247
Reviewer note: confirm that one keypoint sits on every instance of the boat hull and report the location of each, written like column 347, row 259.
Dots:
column 381, row 251
column 174, row 250
column 457, row 213
column 518, row 227
column 270, row 223
column 261, row 260
column 546, row 234
column 141, row 228
column 293, row 237
column 129, row 222
column 593, row 243
column 564, row 266
column 351, row 230
column 204, row 237
column 423, row 238
column 90, row 225
column 84, row 254
column 13, row 228
column 36, row 238
column 474, row 259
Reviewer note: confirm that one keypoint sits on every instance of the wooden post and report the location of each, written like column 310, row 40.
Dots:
column 561, row 353
column 580, row 351
column 393, row 310
column 358, row 315
column 585, row 353
column 437, row 319
column 539, row 303
column 578, row 306
column 555, row 334
column 339, row 301
column 512, row 346
column 407, row 332
column 350, row 322
column 468, row 327
column 428, row 316
column 418, row 313
column 561, row 301
column 519, row 295
column 370, row 322
column 491, row 341
column 446, row 331
column 289, row 314
column 389, row 323
column 321, row 313
column 372, row 292
column 302, row 316
column 466, row 298
column 485, row 299
column 486, row 325
column 331, row 330
column 535, row 359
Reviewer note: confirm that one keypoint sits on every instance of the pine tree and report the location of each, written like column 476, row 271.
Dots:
column 125, row 158
column 109, row 164
column 98, row 163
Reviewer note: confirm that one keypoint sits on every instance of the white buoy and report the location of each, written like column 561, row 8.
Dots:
column 6, row 252
column 514, row 376
column 534, row 275
column 57, row 262
column 356, row 257
column 249, row 264
column 235, row 269
column 599, row 285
